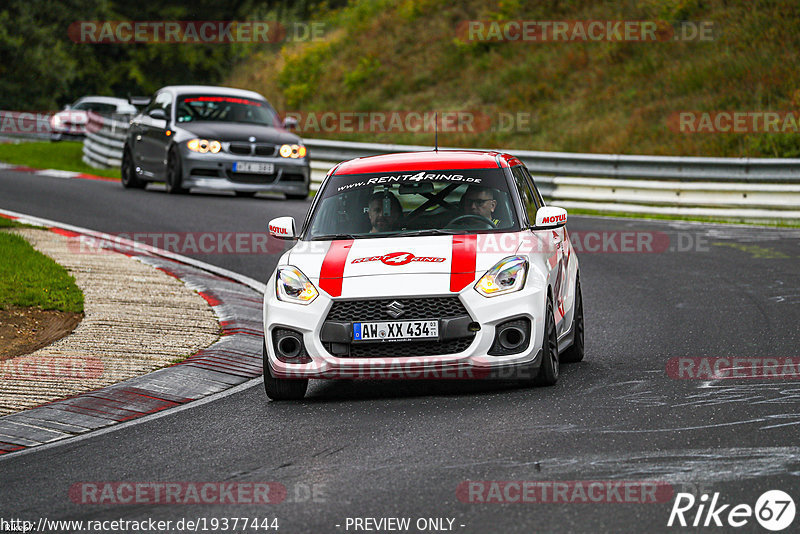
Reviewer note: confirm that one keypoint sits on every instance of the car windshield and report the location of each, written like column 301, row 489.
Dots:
column 410, row 203
column 224, row 109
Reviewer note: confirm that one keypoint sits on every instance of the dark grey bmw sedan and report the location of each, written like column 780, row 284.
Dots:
column 195, row 136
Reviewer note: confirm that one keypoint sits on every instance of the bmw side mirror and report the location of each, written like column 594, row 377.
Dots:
column 157, row 113
column 290, row 123
column 282, row 228
column 550, row 217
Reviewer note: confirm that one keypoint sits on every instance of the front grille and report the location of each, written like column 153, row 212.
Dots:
column 413, row 308
column 251, row 178
column 265, row 150
column 406, row 349
column 240, row 148
column 288, row 177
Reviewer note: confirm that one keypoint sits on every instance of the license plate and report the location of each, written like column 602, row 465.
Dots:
column 395, row 330
column 254, row 168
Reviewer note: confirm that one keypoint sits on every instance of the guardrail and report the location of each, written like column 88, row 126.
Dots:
column 104, row 141
column 742, row 188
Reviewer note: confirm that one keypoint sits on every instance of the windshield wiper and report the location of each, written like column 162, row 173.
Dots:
column 429, row 231
column 332, row 237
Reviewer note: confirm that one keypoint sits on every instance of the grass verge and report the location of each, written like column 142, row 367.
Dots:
column 28, row 278
column 64, row 156
column 11, row 223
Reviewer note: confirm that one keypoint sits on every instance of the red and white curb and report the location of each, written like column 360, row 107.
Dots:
column 234, row 360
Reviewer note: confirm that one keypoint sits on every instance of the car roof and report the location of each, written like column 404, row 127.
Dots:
column 218, row 90
column 429, row 161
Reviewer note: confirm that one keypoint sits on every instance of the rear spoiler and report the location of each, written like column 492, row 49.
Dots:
column 139, row 101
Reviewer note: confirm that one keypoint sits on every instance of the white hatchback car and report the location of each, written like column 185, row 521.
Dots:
column 432, row 265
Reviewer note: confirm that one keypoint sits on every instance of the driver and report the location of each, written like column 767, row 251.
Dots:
column 384, row 212
column 479, row 200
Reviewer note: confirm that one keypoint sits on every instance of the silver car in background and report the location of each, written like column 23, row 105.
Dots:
column 72, row 121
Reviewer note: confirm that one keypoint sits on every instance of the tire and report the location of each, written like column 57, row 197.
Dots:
column 574, row 353
column 175, row 174
column 128, row 172
column 279, row 389
column 549, row 369
column 297, row 196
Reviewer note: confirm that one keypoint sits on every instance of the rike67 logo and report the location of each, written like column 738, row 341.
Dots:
column 774, row 510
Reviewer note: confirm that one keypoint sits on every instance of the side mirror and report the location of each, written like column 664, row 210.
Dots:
column 67, row 107
column 282, row 228
column 157, row 113
column 290, row 123
column 550, row 217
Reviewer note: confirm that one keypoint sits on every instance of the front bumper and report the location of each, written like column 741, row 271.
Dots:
column 215, row 171
column 471, row 362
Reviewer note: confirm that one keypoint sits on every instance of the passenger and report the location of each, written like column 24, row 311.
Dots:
column 385, row 212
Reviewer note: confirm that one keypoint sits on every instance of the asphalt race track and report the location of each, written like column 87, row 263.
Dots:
column 401, row 448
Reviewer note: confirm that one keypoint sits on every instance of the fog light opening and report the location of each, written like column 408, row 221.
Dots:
column 511, row 337
column 289, row 347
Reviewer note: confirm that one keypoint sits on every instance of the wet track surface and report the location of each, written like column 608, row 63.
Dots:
column 401, row 448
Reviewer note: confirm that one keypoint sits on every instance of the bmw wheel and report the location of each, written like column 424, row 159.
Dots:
column 175, row 174
column 128, row 172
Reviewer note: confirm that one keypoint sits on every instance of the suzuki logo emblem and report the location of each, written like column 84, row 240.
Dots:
column 395, row 309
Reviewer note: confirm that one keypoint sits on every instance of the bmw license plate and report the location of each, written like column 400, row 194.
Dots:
column 254, row 168
column 395, row 330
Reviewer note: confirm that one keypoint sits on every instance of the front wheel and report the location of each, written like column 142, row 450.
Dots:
column 279, row 389
column 175, row 174
column 549, row 369
column 128, row 172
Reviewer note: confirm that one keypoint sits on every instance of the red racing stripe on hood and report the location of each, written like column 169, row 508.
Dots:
column 332, row 271
column 462, row 270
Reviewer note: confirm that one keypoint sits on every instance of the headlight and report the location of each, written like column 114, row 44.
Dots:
column 291, row 285
column 505, row 277
column 204, row 145
column 292, row 151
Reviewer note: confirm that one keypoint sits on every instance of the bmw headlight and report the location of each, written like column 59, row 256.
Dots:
column 505, row 277
column 204, row 145
column 291, row 285
column 292, row 151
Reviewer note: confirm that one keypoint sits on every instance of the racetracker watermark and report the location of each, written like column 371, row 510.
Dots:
column 212, row 243
column 193, row 31
column 555, row 31
column 564, row 492
column 180, row 243
column 405, row 121
column 177, row 493
column 719, row 368
column 31, row 367
column 737, row 122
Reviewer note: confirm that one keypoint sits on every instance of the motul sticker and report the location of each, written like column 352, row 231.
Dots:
column 399, row 258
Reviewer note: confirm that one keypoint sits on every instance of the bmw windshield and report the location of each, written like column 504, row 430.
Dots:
column 408, row 203
column 194, row 108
